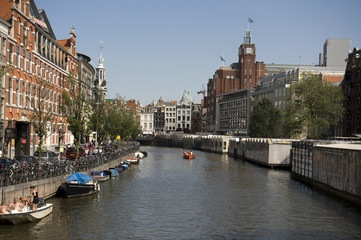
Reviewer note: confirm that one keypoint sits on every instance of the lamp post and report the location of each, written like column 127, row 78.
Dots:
column 61, row 136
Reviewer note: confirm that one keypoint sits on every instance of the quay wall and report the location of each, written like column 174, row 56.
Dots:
column 47, row 187
column 335, row 168
column 267, row 152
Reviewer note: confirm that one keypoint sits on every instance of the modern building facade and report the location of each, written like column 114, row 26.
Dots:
column 335, row 52
column 233, row 112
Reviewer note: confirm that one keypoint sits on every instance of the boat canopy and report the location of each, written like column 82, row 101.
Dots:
column 97, row 174
column 80, row 178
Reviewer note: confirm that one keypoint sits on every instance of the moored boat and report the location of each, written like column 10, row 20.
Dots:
column 139, row 155
column 78, row 185
column 99, row 176
column 188, row 155
column 26, row 216
column 118, row 168
column 132, row 160
column 111, row 172
column 145, row 153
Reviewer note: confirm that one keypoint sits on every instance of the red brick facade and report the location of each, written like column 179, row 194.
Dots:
column 34, row 56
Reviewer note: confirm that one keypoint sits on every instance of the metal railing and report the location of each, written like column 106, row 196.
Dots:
column 26, row 172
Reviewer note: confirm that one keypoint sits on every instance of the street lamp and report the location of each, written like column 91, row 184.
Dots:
column 61, row 136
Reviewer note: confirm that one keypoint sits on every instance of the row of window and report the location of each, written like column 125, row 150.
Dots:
column 38, row 67
column 29, row 95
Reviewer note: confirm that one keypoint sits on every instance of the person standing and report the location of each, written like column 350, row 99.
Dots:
column 34, row 194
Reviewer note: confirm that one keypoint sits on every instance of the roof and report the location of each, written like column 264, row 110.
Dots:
column 5, row 10
column 65, row 43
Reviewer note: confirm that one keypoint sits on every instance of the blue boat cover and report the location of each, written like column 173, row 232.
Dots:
column 80, row 178
column 114, row 173
column 97, row 173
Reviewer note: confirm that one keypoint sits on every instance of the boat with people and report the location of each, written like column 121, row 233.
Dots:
column 188, row 155
column 78, row 185
column 100, row 176
column 26, row 215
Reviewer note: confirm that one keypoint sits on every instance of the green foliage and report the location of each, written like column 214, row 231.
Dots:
column 76, row 108
column 265, row 120
column 314, row 106
column 112, row 120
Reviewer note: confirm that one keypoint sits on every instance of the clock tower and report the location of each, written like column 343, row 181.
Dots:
column 247, row 62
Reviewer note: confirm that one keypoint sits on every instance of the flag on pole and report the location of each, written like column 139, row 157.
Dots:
column 222, row 59
column 250, row 20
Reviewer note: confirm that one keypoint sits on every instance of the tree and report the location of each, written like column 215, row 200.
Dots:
column 41, row 111
column 76, row 108
column 98, row 119
column 314, row 106
column 265, row 120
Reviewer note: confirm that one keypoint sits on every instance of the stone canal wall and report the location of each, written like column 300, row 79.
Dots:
column 264, row 151
column 47, row 187
column 334, row 167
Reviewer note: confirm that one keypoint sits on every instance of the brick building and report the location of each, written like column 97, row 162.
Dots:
column 244, row 74
column 351, row 87
column 37, row 62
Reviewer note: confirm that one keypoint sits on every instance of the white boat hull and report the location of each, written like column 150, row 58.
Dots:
column 29, row 216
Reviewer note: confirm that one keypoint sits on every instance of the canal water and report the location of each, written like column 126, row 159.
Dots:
column 210, row 197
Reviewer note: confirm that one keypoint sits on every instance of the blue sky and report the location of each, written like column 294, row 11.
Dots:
column 154, row 48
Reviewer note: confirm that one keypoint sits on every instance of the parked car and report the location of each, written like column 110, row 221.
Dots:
column 47, row 156
column 5, row 162
column 71, row 153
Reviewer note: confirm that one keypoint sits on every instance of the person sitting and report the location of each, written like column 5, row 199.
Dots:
column 16, row 205
column 4, row 209
column 25, row 201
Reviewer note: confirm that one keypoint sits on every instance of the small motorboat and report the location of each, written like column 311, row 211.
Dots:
column 139, row 155
column 99, row 176
column 118, row 168
column 26, row 215
column 188, row 155
column 132, row 160
column 124, row 164
column 145, row 153
column 78, row 185
column 111, row 172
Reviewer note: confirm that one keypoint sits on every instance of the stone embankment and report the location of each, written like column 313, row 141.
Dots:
column 47, row 187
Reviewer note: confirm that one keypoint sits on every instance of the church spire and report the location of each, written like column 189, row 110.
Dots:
column 101, row 59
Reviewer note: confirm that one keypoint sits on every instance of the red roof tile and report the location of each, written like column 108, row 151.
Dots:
column 5, row 9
